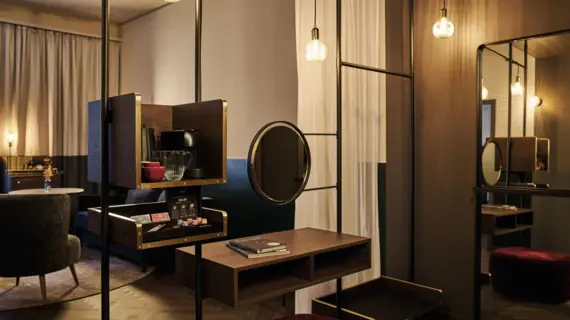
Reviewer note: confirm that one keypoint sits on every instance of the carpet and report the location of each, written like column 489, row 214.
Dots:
column 60, row 286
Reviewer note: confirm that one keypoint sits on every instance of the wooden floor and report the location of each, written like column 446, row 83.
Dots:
column 156, row 297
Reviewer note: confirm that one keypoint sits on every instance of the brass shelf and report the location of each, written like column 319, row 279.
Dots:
column 181, row 183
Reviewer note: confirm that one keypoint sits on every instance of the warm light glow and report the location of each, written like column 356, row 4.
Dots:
column 12, row 136
column 535, row 101
column 517, row 88
column 484, row 91
column 316, row 50
column 443, row 28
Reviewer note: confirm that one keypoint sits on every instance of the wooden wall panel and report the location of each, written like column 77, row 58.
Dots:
column 446, row 130
column 396, row 229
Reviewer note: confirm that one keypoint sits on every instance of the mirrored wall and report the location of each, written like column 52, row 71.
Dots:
column 524, row 166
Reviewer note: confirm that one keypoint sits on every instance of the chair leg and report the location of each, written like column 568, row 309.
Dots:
column 43, row 286
column 72, row 268
column 17, row 281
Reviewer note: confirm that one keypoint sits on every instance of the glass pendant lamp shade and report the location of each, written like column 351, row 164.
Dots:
column 316, row 49
column 443, row 28
column 517, row 88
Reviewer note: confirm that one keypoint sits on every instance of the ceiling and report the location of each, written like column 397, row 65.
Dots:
column 121, row 10
column 545, row 47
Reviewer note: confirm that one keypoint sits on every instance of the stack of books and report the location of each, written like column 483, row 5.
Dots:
column 258, row 247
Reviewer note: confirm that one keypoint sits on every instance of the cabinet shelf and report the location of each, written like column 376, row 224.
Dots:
column 545, row 192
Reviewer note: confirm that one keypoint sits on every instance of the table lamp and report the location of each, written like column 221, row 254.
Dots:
column 11, row 139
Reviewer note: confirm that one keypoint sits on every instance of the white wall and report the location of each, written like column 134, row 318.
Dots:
column 495, row 77
column 248, row 59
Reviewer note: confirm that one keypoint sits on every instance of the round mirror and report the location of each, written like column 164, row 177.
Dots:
column 279, row 162
column 492, row 161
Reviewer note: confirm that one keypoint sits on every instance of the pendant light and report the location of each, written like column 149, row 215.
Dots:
column 316, row 49
column 517, row 88
column 443, row 28
column 484, row 91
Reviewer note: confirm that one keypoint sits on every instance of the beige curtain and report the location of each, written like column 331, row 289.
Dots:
column 46, row 80
column 364, row 126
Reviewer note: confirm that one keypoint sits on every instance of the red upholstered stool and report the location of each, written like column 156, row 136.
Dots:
column 305, row 317
column 531, row 274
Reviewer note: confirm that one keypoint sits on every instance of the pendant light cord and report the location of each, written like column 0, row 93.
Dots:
column 444, row 4
column 315, row 16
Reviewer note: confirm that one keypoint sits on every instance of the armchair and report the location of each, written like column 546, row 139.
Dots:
column 34, row 238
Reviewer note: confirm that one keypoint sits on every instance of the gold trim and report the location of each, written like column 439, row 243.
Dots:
column 181, row 183
column 224, row 217
column 343, row 309
column 164, row 243
column 138, row 138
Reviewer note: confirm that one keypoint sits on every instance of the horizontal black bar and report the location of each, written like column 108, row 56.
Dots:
column 546, row 192
column 319, row 134
column 505, row 57
column 367, row 68
column 320, row 188
column 534, row 36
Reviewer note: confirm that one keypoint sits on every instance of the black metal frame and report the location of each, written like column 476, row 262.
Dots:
column 106, row 120
column 106, row 113
column 480, row 188
column 339, row 65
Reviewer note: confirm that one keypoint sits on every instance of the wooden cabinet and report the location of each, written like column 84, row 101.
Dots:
column 129, row 115
column 21, row 182
column 525, row 152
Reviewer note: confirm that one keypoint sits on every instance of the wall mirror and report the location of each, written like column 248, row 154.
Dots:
column 279, row 162
column 491, row 163
column 524, row 101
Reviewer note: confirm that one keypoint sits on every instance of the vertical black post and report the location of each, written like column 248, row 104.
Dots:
column 509, row 114
column 412, row 149
column 105, row 120
column 478, row 195
column 198, row 98
column 338, row 139
column 198, row 270
column 198, row 53
column 525, row 87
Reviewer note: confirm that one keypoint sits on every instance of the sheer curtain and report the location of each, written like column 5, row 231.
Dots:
column 364, row 126
column 46, row 80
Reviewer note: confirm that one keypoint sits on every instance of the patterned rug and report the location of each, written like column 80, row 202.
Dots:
column 60, row 286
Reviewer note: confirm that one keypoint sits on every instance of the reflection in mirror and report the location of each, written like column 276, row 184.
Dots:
column 279, row 162
column 491, row 163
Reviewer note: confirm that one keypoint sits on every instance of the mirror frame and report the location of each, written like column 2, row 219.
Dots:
column 251, row 155
column 497, row 149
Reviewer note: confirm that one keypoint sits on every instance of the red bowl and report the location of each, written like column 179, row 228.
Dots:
column 154, row 174
column 150, row 164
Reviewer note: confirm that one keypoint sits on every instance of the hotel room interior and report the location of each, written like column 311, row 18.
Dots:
column 284, row 159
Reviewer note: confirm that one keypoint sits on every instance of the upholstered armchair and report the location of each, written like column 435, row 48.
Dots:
column 34, row 238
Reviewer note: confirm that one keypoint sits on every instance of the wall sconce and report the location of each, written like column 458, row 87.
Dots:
column 535, row 101
column 443, row 28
